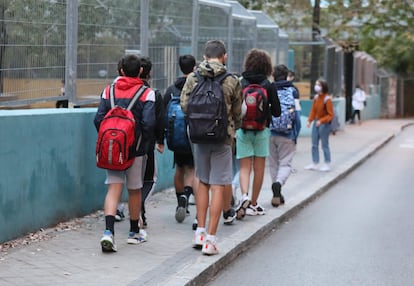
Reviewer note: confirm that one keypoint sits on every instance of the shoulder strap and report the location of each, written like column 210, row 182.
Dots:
column 221, row 77
column 137, row 95
column 112, row 95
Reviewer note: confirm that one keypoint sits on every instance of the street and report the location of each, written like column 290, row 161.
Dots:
column 360, row 232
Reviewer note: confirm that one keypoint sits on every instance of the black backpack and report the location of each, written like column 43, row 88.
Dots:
column 207, row 111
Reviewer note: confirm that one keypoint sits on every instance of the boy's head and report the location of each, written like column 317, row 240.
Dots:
column 291, row 75
column 215, row 49
column 258, row 61
column 129, row 66
column 280, row 72
column 146, row 65
column 186, row 63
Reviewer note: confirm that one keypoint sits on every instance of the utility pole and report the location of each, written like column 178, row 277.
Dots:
column 316, row 32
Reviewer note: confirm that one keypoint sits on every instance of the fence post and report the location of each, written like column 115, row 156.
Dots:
column 71, row 50
column 144, row 27
column 194, row 28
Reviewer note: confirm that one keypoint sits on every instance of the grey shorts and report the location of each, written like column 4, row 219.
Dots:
column 213, row 163
column 133, row 176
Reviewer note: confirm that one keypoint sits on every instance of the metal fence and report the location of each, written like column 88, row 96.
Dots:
column 45, row 42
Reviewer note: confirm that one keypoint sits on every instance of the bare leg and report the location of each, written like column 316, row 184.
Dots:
column 216, row 205
column 258, row 166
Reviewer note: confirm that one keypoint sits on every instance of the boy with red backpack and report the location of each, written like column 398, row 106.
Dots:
column 124, row 89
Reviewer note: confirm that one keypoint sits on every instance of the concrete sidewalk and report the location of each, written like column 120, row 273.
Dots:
column 73, row 256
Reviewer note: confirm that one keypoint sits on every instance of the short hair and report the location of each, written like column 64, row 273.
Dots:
column 146, row 65
column 130, row 65
column 186, row 63
column 280, row 72
column 324, row 85
column 214, row 49
column 258, row 61
column 291, row 73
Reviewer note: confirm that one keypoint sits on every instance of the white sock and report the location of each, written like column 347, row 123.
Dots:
column 244, row 197
column 200, row 230
column 211, row 238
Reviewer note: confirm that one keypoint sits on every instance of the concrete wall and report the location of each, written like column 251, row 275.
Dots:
column 48, row 171
column 47, row 164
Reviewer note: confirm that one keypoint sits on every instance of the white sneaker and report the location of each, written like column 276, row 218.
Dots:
column 199, row 240
column 209, row 248
column 325, row 168
column 137, row 238
column 108, row 242
column 311, row 167
column 255, row 210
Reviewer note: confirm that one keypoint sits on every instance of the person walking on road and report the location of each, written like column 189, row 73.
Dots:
column 321, row 114
column 184, row 177
column 252, row 142
column 358, row 103
column 125, row 87
column 213, row 162
column 283, row 143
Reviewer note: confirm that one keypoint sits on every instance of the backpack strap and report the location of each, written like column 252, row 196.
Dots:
column 222, row 77
column 112, row 95
column 137, row 95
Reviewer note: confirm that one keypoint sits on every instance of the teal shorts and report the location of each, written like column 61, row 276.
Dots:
column 252, row 143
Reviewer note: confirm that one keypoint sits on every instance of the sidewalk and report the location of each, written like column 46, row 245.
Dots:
column 74, row 257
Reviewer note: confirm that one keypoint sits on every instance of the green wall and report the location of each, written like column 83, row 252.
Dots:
column 48, row 171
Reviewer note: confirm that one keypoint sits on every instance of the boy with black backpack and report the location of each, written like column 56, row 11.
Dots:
column 177, row 139
column 120, row 94
column 211, row 98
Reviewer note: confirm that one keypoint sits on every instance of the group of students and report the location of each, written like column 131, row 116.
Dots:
column 207, row 171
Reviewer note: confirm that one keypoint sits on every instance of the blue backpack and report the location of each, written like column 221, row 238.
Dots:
column 176, row 131
column 285, row 122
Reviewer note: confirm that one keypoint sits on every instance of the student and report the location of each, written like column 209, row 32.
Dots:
column 157, row 142
column 144, row 112
column 358, row 103
column 252, row 145
column 213, row 162
column 321, row 114
column 283, row 144
column 184, row 177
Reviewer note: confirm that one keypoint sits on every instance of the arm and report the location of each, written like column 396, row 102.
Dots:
column 159, row 124
column 275, row 109
column 103, row 109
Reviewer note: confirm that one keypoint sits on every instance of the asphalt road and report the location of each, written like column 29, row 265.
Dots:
column 360, row 232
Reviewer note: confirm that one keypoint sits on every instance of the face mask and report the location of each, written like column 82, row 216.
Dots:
column 317, row 88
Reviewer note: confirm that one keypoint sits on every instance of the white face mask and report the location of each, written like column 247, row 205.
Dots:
column 317, row 88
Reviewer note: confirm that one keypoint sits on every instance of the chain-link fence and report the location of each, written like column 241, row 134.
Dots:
column 77, row 43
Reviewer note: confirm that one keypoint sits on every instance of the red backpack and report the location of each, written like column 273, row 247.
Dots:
column 116, row 136
column 256, row 100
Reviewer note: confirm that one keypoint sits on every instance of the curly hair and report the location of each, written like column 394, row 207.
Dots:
column 258, row 61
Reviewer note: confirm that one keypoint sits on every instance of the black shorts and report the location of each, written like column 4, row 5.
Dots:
column 184, row 159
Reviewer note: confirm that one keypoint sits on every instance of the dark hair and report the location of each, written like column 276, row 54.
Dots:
column 130, row 65
column 258, row 61
column 214, row 49
column 291, row 73
column 324, row 85
column 186, row 63
column 280, row 72
column 146, row 65
column 119, row 67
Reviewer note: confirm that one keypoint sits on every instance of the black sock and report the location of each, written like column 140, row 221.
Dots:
column 188, row 191
column 133, row 226
column 109, row 223
column 178, row 196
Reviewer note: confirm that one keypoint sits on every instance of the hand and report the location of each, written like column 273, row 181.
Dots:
column 318, row 123
column 160, row 148
column 308, row 124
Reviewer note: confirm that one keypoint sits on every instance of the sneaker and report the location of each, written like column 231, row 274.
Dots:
column 209, row 248
column 180, row 211
column 255, row 210
column 278, row 198
column 191, row 200
column 108, row 242
column 195, row 224
column 312, row 166
column 137, row 238
column 229, row 216
column 199, row 240
column 241, row 209
column 119, row 215
column 325, row 168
